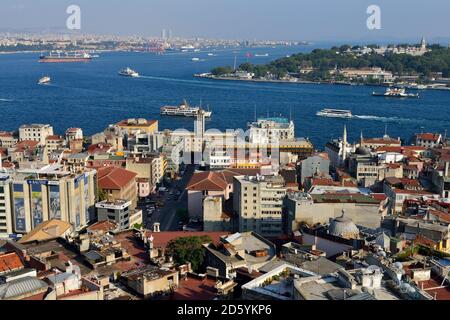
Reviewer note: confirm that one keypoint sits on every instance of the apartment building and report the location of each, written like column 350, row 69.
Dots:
column 35, row 132
column 6, row 226
column 52, row 193
column 271, row 130
column 258, row 204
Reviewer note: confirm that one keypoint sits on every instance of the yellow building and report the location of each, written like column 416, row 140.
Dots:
column 132, row 126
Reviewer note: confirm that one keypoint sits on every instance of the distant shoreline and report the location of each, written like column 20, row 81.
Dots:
column 209, row 76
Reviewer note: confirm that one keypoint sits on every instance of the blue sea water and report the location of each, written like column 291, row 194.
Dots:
column 92, row 95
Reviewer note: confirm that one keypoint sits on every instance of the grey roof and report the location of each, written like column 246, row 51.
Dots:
column 269, row 266
column 19, row 287
column 60, row 277
column 320, row 266
column 362, row 296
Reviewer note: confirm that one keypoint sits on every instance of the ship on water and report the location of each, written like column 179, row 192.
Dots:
column 335, row 113
column 395, row 93
column 128, row 72
column 44, row 80
column 58, row 56
column 184, row 110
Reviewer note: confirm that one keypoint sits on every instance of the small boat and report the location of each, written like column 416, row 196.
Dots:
column 335, row 113
column 127, row 72
column 210, row 54
column 395, row 93
column 44, row 80
column 262, row 55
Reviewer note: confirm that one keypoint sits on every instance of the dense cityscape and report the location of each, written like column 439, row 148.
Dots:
column 137, row 211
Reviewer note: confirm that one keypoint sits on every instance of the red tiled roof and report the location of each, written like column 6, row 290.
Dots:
column 26, row 144
column 5, row 134
column 332, row 183
column 441, row 215
column 8, row 164
column 10, row 262
column 195, row 289
column 162, row 239
column 72, row 130
column 217, row 180
column 104, row 226
column 382, row 141
column 114, row 178
column 54, row 137
column 379, row 196
column 99, row 147
column 428, row 136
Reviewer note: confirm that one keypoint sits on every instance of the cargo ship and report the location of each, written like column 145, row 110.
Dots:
column 57, row 57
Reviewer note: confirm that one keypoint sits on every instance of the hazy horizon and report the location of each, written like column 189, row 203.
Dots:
column 320, row 20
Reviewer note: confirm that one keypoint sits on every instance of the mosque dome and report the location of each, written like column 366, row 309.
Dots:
column 363, row 151
column 343, row 227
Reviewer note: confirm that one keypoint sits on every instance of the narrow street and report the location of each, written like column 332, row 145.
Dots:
column 167, row 215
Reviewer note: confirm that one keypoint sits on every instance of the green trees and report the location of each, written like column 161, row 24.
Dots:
column 220, row 71
column 188, row 249
column 102, row 195
column 323, row 61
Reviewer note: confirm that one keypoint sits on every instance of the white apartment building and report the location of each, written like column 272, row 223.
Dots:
column 271, row 130
column 74, row 134
column 35, row 132
column 5, row 206
column 258, row 202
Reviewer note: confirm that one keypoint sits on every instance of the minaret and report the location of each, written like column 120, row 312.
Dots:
column 361, row 139
column 344, row 144
column 423, row 44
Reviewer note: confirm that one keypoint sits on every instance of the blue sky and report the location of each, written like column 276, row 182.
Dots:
column 237, row 19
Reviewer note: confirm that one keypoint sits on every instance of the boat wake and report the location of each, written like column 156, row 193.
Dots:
column 387, row 119
column 6, row 100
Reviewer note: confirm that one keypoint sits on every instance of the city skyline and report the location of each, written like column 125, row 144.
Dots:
column 290, row 20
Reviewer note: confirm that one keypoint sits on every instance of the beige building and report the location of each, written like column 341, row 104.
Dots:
column 151, row 168
column 214, row 216
column 132, row 126
column 258, row 202
column 35, row 132
column 53, row 143
column 367, row 73
column 7, row 140
column 366, row 211
column 119, row 184
column 150, row 280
